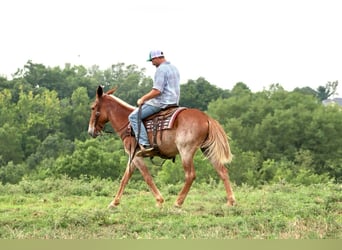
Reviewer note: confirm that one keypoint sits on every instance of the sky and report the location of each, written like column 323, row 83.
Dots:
column 295, row 43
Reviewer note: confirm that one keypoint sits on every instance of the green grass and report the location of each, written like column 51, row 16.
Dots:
column 66, row 209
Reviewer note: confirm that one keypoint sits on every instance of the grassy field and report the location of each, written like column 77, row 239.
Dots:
column 66, row 209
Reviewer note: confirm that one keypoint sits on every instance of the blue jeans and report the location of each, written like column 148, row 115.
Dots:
column 146, row 110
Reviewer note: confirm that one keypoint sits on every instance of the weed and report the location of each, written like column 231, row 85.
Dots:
column 76, row 209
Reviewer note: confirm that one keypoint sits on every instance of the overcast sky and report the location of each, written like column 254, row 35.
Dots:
column 295, row 43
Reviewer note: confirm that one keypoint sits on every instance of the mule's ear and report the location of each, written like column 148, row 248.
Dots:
column 109, row 92
column 99, row 91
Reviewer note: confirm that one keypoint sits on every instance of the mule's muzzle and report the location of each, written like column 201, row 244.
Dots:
column 92, row 132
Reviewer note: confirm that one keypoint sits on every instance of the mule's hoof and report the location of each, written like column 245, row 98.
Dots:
column 112, row 205
column 231, row 203
column 176, row 205
column 159, row 205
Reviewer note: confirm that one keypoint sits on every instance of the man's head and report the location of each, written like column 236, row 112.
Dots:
column 155, row 54
column 156, row 57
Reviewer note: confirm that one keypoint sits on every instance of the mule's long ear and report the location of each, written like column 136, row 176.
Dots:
column 99, row 91
column 109, row 92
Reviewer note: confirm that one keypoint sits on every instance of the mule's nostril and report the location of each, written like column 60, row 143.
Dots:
column 91, row 131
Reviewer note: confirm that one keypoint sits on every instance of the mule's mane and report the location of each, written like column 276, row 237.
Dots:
column 123, row 103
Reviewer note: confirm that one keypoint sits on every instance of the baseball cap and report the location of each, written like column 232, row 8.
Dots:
column 154, row 54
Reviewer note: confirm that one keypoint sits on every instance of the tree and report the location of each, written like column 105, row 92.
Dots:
column 306, row 90
column 39, row 114
column 4, row 84
column 240, row 88
column 51, row 148
column 7, row 107
column 12, row 173
column 323, row 138
column 324, row 92
column 199, row 93
column 32, row 73
column 75, row 114
column 100, row 157
column 11, row 145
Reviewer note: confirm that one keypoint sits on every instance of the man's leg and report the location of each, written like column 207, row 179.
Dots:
column 146, row 110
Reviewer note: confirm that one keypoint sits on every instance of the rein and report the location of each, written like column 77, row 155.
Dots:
column 136, row 141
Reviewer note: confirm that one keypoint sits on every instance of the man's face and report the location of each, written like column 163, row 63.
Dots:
column 156, row 62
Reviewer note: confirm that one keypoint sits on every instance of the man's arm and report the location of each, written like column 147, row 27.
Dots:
column 153, row 93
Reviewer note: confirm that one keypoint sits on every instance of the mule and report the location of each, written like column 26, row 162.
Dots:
column 191, row 130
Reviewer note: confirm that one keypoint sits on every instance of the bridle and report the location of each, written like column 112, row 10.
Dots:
column 121, row 131
column 97, row 116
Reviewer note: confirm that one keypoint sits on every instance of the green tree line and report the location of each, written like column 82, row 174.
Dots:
column 275, row 135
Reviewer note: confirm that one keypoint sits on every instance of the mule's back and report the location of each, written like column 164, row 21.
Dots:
column 191, row 126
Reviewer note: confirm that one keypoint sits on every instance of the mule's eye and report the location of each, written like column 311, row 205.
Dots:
column 97, row 113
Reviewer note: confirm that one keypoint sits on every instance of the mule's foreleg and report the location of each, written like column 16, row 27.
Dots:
column 149, row 180
column 125, row 178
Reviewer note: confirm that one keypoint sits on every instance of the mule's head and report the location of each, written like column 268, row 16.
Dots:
column 99, row 115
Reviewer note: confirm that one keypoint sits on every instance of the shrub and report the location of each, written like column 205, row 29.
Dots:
column 12, row 173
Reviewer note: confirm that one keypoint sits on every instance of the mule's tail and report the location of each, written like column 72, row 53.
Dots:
column 216, row 147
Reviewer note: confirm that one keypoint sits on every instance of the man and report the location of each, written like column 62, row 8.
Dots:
column 165, row 92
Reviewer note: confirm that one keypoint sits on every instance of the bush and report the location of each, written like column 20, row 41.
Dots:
column 244, row 168
column 289, row 172
column 12, row 173
column 95, row 157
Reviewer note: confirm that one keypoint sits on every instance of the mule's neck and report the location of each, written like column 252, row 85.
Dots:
column 118, row 112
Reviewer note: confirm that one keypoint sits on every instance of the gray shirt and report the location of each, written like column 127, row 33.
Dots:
column 167, row 81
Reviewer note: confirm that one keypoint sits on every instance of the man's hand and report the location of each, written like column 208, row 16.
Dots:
column 140, row 101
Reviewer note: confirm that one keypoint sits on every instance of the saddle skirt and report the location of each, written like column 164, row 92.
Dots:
column 163, row 119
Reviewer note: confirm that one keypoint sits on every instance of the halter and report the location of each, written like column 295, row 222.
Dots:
column 97, row 115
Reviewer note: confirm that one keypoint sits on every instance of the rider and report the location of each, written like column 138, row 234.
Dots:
column 165, row 92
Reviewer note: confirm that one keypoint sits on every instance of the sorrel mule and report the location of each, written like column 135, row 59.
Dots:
column 192, row 130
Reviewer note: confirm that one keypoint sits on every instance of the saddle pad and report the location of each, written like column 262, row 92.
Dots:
column 162, row 121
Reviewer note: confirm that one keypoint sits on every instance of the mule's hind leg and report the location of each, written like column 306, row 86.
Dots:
column 190, row 176
column 223, row 173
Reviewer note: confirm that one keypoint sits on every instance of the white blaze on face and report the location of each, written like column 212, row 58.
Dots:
column 91, row 129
